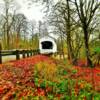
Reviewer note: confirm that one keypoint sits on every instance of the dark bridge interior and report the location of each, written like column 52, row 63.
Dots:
column 47, row 45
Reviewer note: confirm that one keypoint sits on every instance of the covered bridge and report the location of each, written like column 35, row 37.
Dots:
column 47, row 44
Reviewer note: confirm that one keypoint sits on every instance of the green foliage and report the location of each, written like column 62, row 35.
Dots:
column 97, row 96
column 43, row 84
column 33, row 98
column 88, row 87
column 96, row 53
column 36, row 81
column 65, row 97
column 97, row 50
column 67, row 88
column 74, row 71
column 50, row 97
column 62, row 71
column 62, row 87
column 50, row 83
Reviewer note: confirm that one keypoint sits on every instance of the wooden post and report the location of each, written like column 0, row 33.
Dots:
column 27, row 53
column 0, row 53
column 54, row 55
column 33, row 52
column 23, row 53
column 38, row 51
column 17, row 55
column 30, row 52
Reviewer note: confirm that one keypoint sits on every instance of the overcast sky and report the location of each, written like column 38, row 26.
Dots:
column 30, row 11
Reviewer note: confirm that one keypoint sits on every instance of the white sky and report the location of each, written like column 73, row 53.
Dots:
column 32, row 11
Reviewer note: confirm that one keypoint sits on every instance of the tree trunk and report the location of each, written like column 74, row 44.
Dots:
column 68, row 26
column 7, row 28
column 89, row 62
column 69, row 47
column 8, row 43
column 62, row 47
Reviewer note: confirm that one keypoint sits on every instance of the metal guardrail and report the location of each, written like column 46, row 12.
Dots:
column 17, row 53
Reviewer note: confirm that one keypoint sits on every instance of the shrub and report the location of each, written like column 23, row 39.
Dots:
column 96, row 58
column 44, row 70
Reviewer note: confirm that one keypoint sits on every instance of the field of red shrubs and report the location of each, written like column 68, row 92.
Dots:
column 17, row 79
column 91, row 75
column 18, row 72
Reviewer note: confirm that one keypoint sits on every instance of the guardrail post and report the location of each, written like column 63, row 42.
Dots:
column 27, row 53
column 55, row 54
column 23, row 53
column 17, row 55
column 60, row 55
column 33, row 52
column 30, row 52
column 37, row 52
column 0, row 54
column 0, row 57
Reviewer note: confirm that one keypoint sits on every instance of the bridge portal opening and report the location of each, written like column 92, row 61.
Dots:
column 47, row 45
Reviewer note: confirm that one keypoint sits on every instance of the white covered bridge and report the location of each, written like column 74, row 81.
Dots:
column 47, row 45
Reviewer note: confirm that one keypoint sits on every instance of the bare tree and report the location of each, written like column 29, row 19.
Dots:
column 62, row 18
column 86, row 10
column 32, row 31
column 42, row 29
column 19, row 27
column 8, row 19
column 32, row 26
